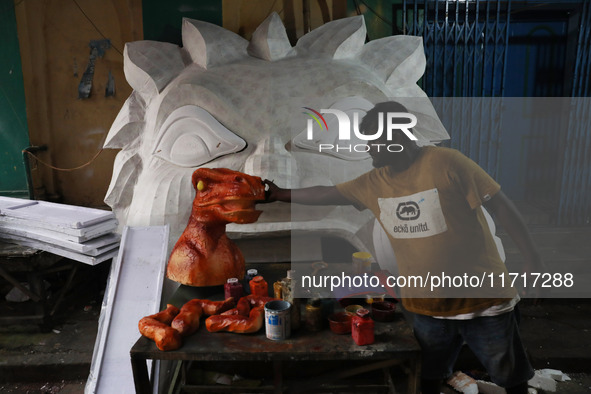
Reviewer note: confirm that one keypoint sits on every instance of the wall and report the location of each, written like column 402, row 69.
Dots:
column 13, row 119
column 244, row 16
column 241, row 17
column 54, row 38
column 378, row 16
column 164, row 23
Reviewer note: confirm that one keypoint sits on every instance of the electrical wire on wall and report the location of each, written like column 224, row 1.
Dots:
column 272, row 7
column 359, row 12
column 96, row 155
column 95, row 26
column 389, row 23
column 63, row 169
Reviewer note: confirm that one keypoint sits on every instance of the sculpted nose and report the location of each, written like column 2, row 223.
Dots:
column 271, row 160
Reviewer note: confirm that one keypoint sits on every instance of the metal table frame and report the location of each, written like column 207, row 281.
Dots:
column 16, row 261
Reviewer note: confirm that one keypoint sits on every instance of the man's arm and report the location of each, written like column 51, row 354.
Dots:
column 315, row 195
column 512, row 221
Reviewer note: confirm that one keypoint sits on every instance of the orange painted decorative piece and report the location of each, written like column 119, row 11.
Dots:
column 204, row 255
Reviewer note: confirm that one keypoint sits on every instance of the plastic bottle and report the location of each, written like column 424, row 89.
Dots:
column 251, row 273
column 233, row 288
column 363, row 328
column 361, row 262
column 287, row 293
column 259, row 287
column 278, row 290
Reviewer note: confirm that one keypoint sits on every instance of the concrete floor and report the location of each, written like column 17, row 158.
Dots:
column 557, row 334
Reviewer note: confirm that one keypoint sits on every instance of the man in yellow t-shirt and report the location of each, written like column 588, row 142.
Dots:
column 428, row 201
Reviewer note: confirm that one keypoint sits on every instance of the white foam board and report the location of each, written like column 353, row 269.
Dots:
column 71, row 234
column 11, row 202
column 102, row 255
column 92, row 247
column 61, row 215
column 133, row 291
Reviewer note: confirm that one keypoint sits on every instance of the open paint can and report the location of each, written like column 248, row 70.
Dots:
column 277, row 320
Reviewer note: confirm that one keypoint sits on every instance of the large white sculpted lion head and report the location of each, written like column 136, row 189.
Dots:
column 222, row 101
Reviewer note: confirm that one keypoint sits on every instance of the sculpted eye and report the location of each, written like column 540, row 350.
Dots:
column 190, row 137
column 326, row 139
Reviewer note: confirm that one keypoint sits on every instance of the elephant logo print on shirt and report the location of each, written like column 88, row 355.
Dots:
column 408, row 211
column 400, row 215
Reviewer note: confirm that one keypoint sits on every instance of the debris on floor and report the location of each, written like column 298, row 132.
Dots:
column 544, row 379
column 463, row 383
column 555, row 374
column 485, row 387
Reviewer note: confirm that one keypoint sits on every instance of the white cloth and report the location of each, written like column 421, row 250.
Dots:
column 494, row 310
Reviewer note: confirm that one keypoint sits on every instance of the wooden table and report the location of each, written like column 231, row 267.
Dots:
column 394, row 345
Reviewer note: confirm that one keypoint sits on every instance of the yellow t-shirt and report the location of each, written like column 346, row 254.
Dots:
column 430, row 213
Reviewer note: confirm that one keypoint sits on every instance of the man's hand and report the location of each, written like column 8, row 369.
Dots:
column 315, row 195
column 275, row 193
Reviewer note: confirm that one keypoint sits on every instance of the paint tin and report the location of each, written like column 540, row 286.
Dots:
column 278, row 320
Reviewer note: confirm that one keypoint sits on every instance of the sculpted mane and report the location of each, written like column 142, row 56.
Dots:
column 223, row 101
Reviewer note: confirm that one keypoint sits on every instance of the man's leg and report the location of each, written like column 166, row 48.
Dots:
column 495, row 341
column 440, row 343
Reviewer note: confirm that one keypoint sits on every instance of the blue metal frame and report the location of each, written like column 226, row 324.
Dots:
column 466, row 43
column 471, row 36
column 575, row 198
column 466, row 46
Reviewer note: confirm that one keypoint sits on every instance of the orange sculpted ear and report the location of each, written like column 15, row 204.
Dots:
column 204, row 175
column 208, row 175
column 195, row 178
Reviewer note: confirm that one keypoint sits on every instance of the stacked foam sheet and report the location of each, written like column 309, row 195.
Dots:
column 78, row 233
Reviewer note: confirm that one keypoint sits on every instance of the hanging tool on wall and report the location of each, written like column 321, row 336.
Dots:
column 110, row 89
column 97, row 49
